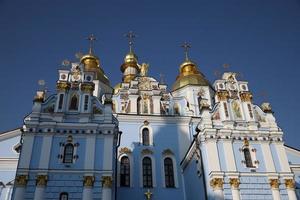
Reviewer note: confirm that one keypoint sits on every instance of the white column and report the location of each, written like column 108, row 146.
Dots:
column 108, row 153
column 156, row 105
column 284, row 163
column 133, row 103
column 217, row 186
column 235, row 183
column 88, row 184
column 90, row 152
column 106, row 188
column 25, row 156
column 229, row 156
column 274, row 183
column 45, row 152
column 87, row 193
column 290, row 187
column 20, row 184
column 212, row 155
column 41, row 181
column 265, row 147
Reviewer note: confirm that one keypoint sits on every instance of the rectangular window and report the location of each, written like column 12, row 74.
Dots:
column 60, row 102
column 86, row 102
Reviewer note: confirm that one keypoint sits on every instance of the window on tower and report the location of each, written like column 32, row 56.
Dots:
column 74, row 103
column 86, row 102
column 68, row 153
column 61, row 100
column 147, row 173
column 125, row 172
column 146, row 137
column 248, row 158
column 63, row 196
column 169, row 173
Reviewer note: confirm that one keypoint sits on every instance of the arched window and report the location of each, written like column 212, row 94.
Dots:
column 63, row 196
column 169, row 173
column 74, row 103
column 147, row 172
column 125, row 172
column 68, row 153
column 248, row 159
column 146, row 137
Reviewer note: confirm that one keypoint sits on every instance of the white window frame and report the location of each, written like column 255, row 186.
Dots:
column 150, row 135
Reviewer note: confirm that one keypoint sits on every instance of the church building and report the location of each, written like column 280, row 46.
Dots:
column 144, row 140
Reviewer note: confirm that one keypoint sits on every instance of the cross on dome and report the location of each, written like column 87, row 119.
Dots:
column 91, row 38
column 130, row 35
column 186, row 46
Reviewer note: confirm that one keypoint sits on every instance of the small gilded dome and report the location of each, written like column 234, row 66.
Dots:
column 92, row 64
column 189, row 75
column 130, row 58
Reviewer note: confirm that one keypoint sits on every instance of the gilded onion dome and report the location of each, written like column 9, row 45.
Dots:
column 189, row 75
column 130, row 67
column 92, row 64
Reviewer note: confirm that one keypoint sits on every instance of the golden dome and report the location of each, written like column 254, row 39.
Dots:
column 189, row 75
column 92, row 64
column 130, row 58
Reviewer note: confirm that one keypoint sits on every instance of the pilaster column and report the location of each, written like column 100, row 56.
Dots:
column 274, row 183
column 290, row 187
column 212, row 155
column 20, row 184
column 217, row 186
column 156, row 105
column 106, row 187
column 235, row 184
column 88, row 183
column 41, row 182
column 133, row 103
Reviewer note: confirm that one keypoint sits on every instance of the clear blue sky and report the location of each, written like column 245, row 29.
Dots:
column 258, row 38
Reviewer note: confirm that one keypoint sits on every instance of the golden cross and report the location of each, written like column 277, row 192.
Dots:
column 91, row 38
column 130, row 35
column 186, row 46
column 148, row 195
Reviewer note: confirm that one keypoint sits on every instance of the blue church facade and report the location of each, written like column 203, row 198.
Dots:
column 142, row 140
